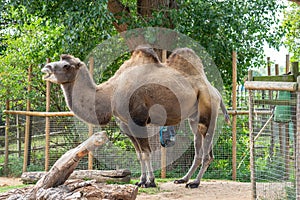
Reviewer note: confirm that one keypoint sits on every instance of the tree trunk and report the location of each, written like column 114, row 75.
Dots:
column 145, row 8
column 100, row 176
column 296, row 1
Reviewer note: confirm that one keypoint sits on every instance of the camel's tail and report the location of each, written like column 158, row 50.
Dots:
column 224, row 110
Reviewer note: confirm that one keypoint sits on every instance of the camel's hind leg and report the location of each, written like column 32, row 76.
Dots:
column 207, row 149
column 199, row 131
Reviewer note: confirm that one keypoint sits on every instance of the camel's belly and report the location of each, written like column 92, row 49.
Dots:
column 148, row 94
column 156, row 104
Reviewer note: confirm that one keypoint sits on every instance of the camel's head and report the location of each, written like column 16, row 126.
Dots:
column 63, row 71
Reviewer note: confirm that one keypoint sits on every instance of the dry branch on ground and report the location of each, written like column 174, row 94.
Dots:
column 54, row 185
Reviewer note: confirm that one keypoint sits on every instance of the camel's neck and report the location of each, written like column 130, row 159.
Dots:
column 88, row 102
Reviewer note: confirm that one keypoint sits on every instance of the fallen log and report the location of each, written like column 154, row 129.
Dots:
column 100, row 176
column 66, row 164
column 77, row 189
column 53, row 184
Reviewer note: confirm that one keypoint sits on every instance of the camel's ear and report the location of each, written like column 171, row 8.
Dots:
column 78, row 65
column 66, row 57
column 72, row 60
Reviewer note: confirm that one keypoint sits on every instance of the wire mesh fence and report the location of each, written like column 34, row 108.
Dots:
column 118, row 153
column 274, row 132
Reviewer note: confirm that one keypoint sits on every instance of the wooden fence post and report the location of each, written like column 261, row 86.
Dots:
column 276, row 69
column 90, row 126
column 163, row 149
column 297, row 150
column 19, row 141
column 287, row 63
column 272, row 142
column 269, row 66
column 47, row 124
column 6, row 159
column 234, row 117
column 27, row 127
column 295, row 69
column 252, row 159
column 286, row 130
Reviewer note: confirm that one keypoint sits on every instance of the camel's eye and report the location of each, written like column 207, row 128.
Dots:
column 66, row 67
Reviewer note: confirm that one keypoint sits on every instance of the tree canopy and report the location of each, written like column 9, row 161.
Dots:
column 31, row 31
column 292, row 22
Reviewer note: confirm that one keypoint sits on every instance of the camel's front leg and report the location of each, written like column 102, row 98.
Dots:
column 150, row 175
column 143, row 152
column 143, row 177
column 144, row 155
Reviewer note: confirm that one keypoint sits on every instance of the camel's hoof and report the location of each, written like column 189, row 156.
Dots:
column 192, row 185
column 139, row 184
column 180, row 181
column 150, row 184
column 145, row 185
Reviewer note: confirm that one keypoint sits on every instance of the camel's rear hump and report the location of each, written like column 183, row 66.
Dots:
column 186, row 61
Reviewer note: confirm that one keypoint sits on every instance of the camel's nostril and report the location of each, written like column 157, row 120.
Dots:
column 46, row 69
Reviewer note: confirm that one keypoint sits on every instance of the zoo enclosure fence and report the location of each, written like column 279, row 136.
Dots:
column 274, row 137
column 66, row 132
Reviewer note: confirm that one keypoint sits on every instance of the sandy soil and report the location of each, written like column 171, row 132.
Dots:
column 4, row 181
column 212, row 189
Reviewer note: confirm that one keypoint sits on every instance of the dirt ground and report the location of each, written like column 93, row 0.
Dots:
column 4, row 181
column 212, row 189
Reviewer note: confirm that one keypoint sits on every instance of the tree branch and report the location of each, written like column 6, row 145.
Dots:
column 296, row 1
column 119, row 11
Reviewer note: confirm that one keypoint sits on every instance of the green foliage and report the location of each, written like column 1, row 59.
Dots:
column 27, row 45
column 33, row 31
column 290, row 192
column 15, row 166
column 292, row 22
column 221, row 167
column 86, row 23
column 221, row 27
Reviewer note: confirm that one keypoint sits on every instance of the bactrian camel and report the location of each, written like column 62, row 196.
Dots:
column 145, row 91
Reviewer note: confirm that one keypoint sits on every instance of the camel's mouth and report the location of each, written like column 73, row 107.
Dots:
column 45, row 77
column 47, row 72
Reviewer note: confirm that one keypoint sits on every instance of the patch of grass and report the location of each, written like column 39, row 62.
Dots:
column 118, row 182
column 149, row 190
column 152, row 191
column 164, row 180
column 7, row 188
column 157, row 180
